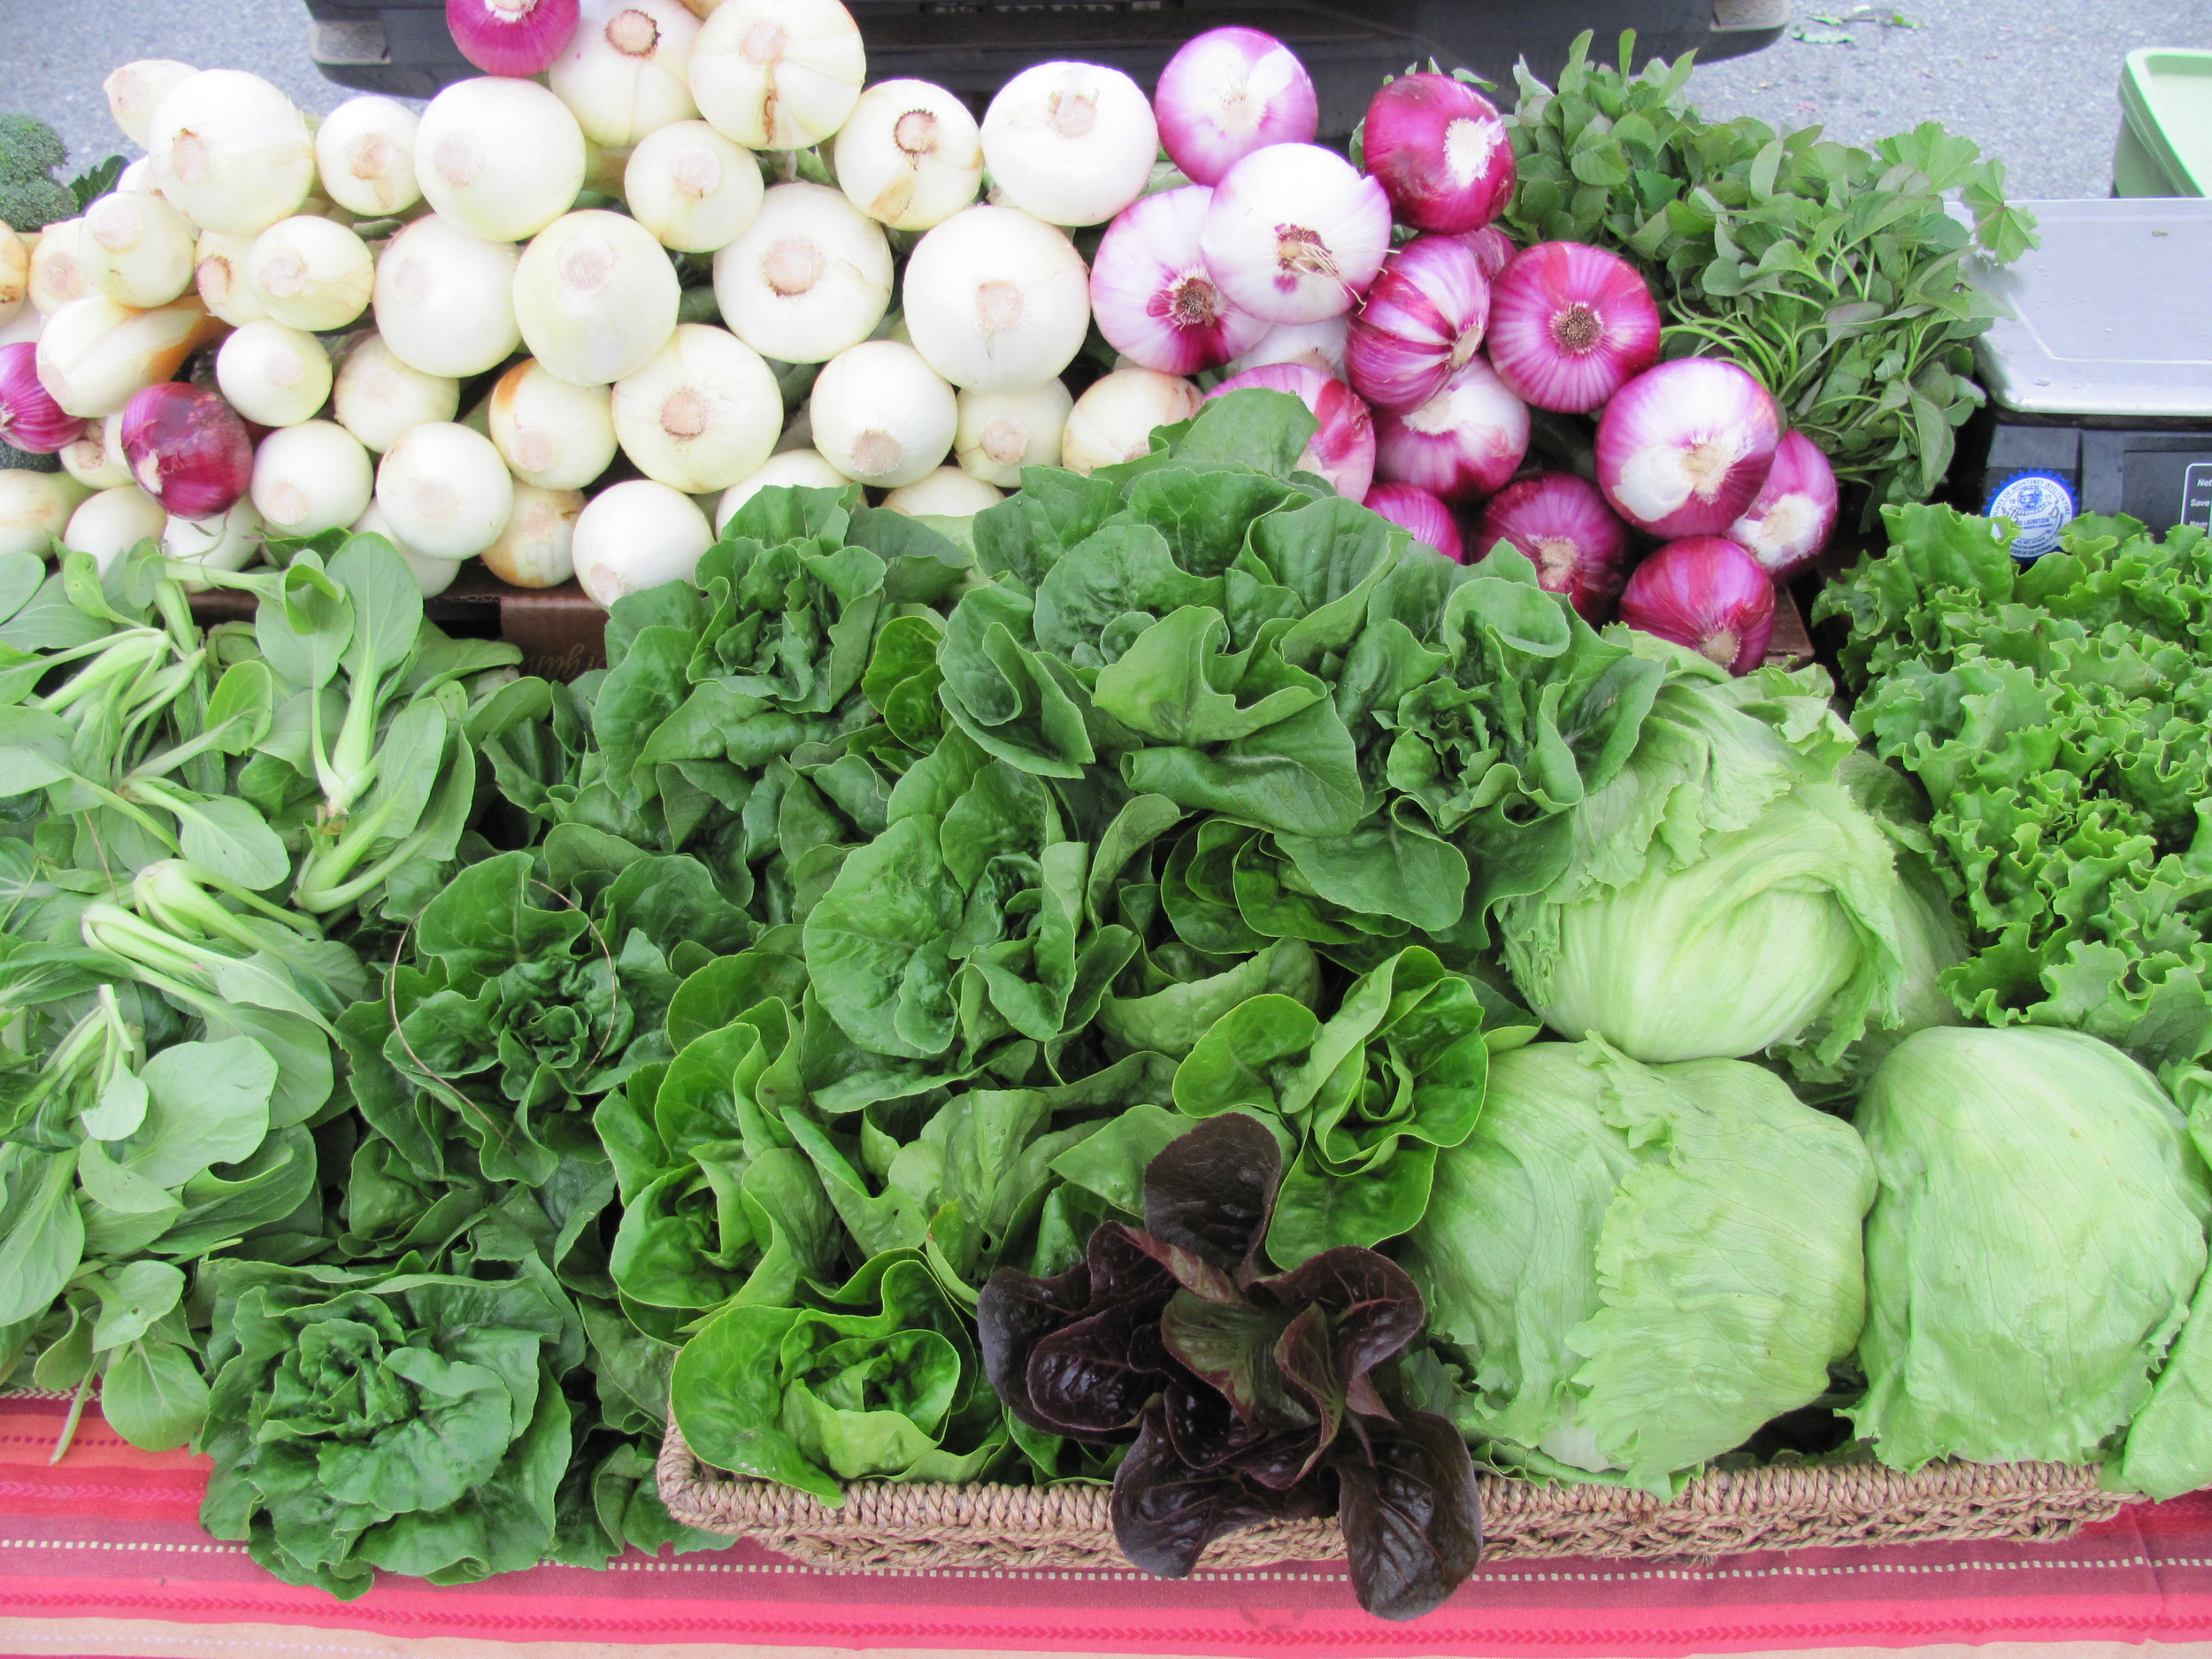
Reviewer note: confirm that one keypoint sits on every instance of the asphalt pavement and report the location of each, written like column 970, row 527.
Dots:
column 2034, row 81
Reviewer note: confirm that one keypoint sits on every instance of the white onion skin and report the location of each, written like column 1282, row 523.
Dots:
column 793, row 469
column 445, row 489
column 553, row 434
column 1683, row 449
column 229, row 541
column 777, row 74
column 947, row 493
column 311, row 273
column 218, row 276
column 536, row 549
column 96, row 460
column 135, row 91
column 114, row 521
column 1071, row 143
column 1114, row 420
column 1294, row 236
column 499, row 157
column 273, row 375
column 1227, row 93
column 34, row 507
column 379, row 399
column 365, row 156
column 911, row 157
column 1467, row 441
column 230, row 151
column 881, row 415
column 596, row 296
column 996, row 300
column 445, row 300
column 1154, row 300
column 692, row 188
column 1000, row 433
column 432, row 576
column 704, row 413
column 57, row 275
column 135, row 249
column 808, row 278
column 94, row 356
column 311, row 477
column 15, row 274
column 637, row 535
column 626, row 72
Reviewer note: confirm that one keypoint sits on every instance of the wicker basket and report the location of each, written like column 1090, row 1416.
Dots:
column 886, row 1524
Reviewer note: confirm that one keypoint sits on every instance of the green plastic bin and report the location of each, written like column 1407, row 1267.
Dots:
column 2165, row 145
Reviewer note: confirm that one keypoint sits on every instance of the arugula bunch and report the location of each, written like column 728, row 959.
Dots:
column 1837, row 275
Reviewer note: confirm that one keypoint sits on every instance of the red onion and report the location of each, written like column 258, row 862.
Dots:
column 1705, row 592
column 1785, row 527
column 1228, row 93
column 1293, row 234
column 1318, row 345
column 1466, row 441
column 511, row 37
column 1684, row 447
column 1562, row 522
column 1439, row 148
column 188, row 448
column 1570, row 325
column 1494, row 249
column 1343, row 450
column 1429, row 518
column 1154, row 300
column 30, row 420
column 1419, row 324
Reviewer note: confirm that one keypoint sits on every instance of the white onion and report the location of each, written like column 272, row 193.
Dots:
column 692, row 188
column 536, row 549
column 881, row 415
column 1114, row 420
column 777, row 74
column 34, row 507
column 795, row 469
column 97, row 460
column 500, row 158
column 229, row 541
column 218, row 274
column 273, row 375
column 1000, row 433
column 1072, row 143
column 379, row 399
column 95, row 355
column 311, row 477
column 135, row 91
column 135, row 249
column 553, row 434
column 57, row 274
column 947, row 492
column 365, row 154
column 626, row 71
column 1294, row 234
column 596, row 296
column 230, row 152
column 910, row 156
column 29, row 323
column 996, row 300
column 432, row 576
column 1321, row 345
column 15, row 273
column 637, row 535
column 112, row 523
column 311, row 273
column 446, row 491
column 445, row 300
column 704, row 413
column 808, row 277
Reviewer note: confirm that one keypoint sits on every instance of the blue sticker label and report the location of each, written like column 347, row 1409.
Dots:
column 2040, row 504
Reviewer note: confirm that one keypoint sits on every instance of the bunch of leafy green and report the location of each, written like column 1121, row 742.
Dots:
column 1836, row 275
column 2055, row 716
column 1246, row 1397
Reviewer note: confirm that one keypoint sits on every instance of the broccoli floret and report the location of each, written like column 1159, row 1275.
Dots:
column 35, row 205
column 30, row 151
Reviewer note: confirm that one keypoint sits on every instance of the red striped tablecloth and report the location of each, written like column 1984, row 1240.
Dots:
column 103, row 1555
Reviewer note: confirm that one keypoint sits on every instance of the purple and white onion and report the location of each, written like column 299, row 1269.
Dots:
column 1683, row 448
column 1420, row 323
column 1343, row 447
column 1294, row 234
column 1570, row 325
column 1788, row 523
column 1466, row 441
column 1155, row 301
column 1227, row 93
column 187, row 449
column 511, row 37
column 30, row 420
column 1414, row 508
column 1561, row 523
column 1708, row 594
column 1441, row 150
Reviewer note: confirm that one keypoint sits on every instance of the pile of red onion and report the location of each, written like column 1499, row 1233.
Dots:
column 1422, row 359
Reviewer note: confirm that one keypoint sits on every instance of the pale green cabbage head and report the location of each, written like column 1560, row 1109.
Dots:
column 2038, row 1241
column 1788, row 923
column 1637, row 1266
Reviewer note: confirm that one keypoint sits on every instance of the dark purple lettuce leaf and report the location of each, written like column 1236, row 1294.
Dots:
column 1211, row 1192
column 1231, row 1348
column 1092, row 1379
column 1165, row 1512
column 1012, row 1315
column 1411, row 1515
column 1373, row 1311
